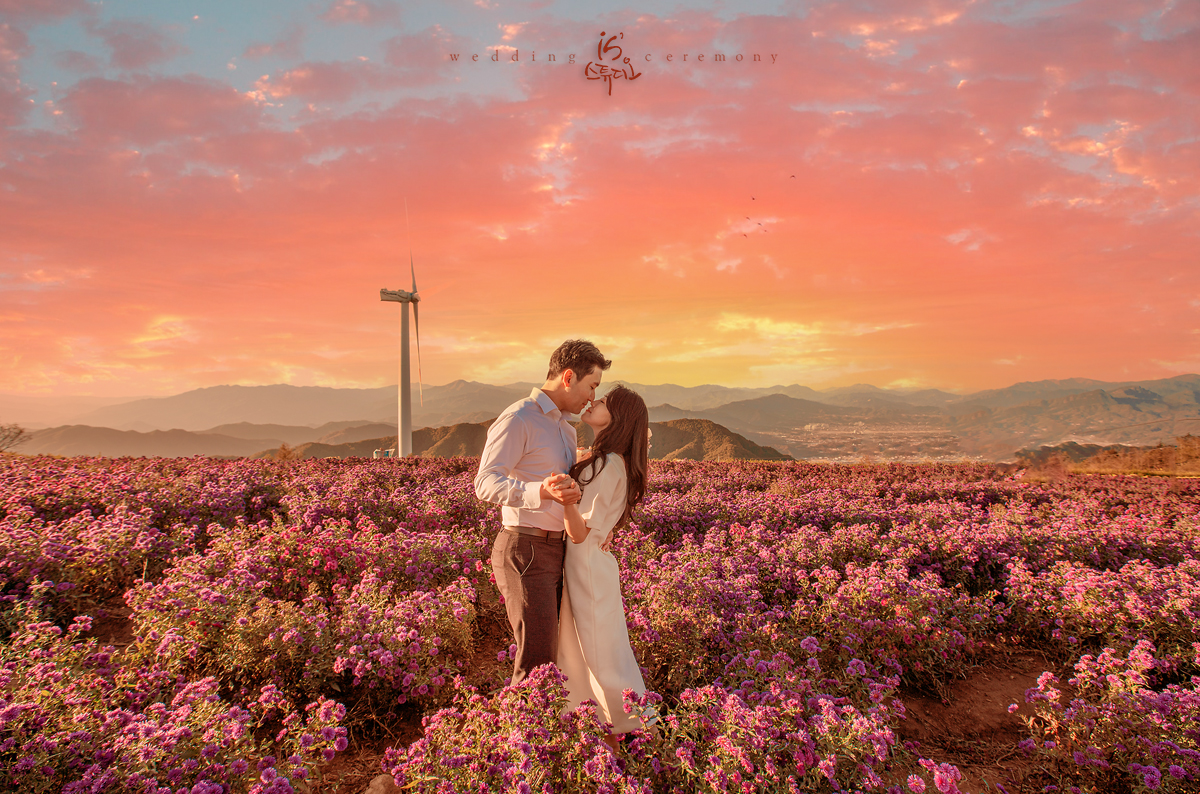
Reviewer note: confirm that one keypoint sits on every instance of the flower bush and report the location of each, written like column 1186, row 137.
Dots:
column 770, row 725
column 1072, row 605
column 73, row 719
column 1116, row 732
column 778, row 610
column 517, row 740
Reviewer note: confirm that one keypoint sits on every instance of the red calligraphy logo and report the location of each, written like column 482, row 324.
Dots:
column 609, row 65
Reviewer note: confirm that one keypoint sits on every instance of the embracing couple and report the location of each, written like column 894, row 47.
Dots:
column 560, row 583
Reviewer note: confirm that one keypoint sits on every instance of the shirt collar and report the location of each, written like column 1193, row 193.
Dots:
column 546, row 404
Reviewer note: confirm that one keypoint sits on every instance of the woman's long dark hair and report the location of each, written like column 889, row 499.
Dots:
column 628, row 435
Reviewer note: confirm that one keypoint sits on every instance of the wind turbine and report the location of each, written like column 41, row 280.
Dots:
column 404, row 426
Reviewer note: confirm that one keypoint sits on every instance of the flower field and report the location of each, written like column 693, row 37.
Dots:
column 781, row 612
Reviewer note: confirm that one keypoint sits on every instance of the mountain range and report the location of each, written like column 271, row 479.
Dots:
column 845, row 423
column 679, row 439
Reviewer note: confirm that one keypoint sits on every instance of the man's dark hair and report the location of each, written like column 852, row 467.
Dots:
column 578, row 355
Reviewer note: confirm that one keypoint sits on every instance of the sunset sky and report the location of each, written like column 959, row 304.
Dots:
column 959, row 195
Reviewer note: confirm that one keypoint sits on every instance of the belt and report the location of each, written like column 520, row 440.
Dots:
column 534, row 531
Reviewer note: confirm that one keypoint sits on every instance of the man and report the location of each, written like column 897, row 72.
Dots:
column 529, row 450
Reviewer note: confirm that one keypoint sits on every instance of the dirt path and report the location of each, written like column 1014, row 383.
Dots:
column 973, row 728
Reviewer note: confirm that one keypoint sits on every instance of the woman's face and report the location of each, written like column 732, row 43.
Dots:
column 597, row 416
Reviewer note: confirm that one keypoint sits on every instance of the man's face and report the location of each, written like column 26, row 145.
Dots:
column 582, row 390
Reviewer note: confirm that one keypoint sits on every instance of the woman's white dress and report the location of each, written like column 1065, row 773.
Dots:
column 593, row 641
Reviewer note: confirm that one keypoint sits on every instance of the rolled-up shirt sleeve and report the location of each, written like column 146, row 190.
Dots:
column 495, row 482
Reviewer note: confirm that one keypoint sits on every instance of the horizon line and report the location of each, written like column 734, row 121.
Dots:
column 901, row 390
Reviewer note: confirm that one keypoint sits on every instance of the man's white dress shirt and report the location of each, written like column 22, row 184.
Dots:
column 527, row 443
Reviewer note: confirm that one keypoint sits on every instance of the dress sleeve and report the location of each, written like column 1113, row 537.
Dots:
column 604, row 497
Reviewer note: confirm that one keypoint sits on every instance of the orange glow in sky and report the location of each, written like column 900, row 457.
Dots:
column 958, row 195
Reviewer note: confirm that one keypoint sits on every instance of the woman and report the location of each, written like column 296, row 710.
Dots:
column 593, row 645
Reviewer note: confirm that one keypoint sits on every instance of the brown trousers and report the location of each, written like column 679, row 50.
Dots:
column 529, row 574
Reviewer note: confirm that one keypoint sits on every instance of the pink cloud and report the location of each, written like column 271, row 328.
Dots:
column 14, row 45
column 1174, row 62
column 14, row 96
column 41, row 10
column 144, row 110
column 135, row 44
column 77, row 61
column 288, row 46
column 409, row 60
column 424, row 57
column 362, row 12
column 334, row 81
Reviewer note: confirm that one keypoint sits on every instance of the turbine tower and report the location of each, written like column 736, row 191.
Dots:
column 404, row 425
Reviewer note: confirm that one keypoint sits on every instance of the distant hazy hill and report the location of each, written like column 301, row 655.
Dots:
column 290, row 434
column 1182, row 389
column 233, row 440
column 697, row 439
column 700, row 439
column 198, row 409
column 700, row 398
column 667, row 412
column 109, row 443
column 773, row 412
column 1179, row 459
column 34, row 411
column 430, row 442
column 463, row 401
column 450, row 442
column 930, row 397
column 1126, row 416
column 203, row 408
column 1070, row 452
column 349, row 435
column 864, row 393
column 680, row 439
column 846, row 423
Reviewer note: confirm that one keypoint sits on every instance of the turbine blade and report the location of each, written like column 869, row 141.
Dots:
column 408, row 231
column 417, row 323
column 412, row 269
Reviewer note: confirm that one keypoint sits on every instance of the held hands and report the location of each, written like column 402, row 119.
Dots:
column 562, row 489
